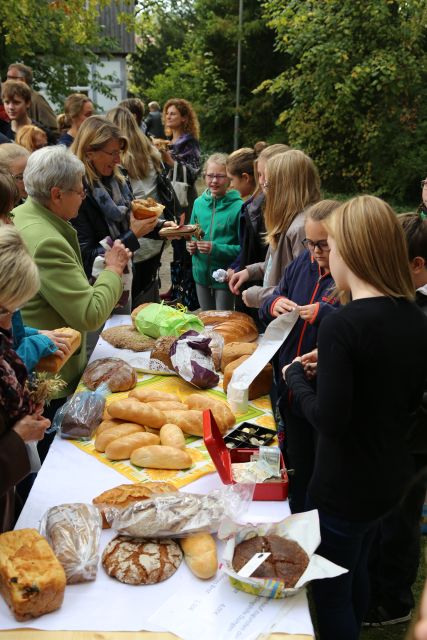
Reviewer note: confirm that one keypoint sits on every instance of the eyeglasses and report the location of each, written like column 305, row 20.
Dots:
column 423, row 184
column 322, row 245
column 265, row 185
column 112, row 154
column 216, row 176
column 18, row 176
column 82, row 193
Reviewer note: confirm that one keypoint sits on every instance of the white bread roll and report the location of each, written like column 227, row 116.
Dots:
column 132, row 410
column 172, row 436
column 121, row 448
column 223, row 415
column 158, row 456
column 200, row 554
column 104, row 439
column 190, row 421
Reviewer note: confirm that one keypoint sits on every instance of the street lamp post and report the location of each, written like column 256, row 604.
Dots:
column 239, row 65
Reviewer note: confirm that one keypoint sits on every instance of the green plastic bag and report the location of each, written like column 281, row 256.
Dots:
column 157, row 320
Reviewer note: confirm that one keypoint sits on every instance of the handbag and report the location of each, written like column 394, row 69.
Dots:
column 180, row 188
column 168, row 198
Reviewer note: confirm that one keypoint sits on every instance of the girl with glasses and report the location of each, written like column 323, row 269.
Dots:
column 217, row 211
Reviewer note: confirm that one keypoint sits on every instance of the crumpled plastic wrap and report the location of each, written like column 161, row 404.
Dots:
column 192, row 359
column 180, row 514
column 73, row 531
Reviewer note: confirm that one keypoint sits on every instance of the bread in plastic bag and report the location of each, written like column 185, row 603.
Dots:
column 73, row 531
column 79, row 417
column 192, row 359
column 180, row 514
column 216, row 345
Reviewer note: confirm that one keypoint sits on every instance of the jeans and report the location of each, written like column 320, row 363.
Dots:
column 219, row 299
column 342, row 602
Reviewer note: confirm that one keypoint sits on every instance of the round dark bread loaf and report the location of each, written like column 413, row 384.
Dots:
column 141, row 561
column 119, row 375
column 287, row 561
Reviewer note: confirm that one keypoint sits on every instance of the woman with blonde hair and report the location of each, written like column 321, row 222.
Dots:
column 20, row 420
column 291, row 184
column 105, row 212
column 372, row 364
column 77, row 107
column 31, row 137
column 13, row 158
column 143, row 165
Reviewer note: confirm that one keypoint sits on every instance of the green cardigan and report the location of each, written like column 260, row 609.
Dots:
column 65, row 297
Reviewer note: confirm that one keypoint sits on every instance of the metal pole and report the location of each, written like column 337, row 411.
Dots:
column 239, row 65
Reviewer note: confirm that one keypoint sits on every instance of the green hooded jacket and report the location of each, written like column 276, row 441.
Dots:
column 219, row 219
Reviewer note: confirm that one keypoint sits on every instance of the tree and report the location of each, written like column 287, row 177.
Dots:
column 356, row 80
column 203, row 71
column 57, row 38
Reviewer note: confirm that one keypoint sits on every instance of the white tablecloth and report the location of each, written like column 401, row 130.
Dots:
column 70, row 475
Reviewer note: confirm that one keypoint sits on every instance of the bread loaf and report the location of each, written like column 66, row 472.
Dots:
column 147, row 208
column 54, row 362
column 125, row 429
column 259, row 387
column 167, row 405
column 238, row 330
column 214, row 317
column 73, row 531
column 121, row 448
column 139, row 561
column 223, row 415
column 137, row 310
column 124, row 495
column 190, row 421
column 234, row 350
column 144, row 394
column 107, row 424
column 162, row 349
column 32, row 580
column 132, row 410
column 200, row 554
column 172, row 436
column 117, row 373
column 158, row 456
column 127, row 337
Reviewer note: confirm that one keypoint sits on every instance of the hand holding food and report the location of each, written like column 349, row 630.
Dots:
column 204, row 247
column 191, row 247
column 283, row 305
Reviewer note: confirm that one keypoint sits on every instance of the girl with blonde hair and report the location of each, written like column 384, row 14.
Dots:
column 291, row 184
column 372, row 364
column 77, row 108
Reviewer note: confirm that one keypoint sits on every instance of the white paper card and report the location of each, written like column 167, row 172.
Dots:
column 253, row 564
column 224, row 613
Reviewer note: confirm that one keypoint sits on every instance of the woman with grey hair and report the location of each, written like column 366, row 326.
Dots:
column 53, row 180
column 14, row 158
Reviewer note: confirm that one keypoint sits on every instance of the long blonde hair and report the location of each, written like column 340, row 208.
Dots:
column 372, row 244
column 293, row 184
column 26, row 137
column 140, row 153
column 93, row 135
column 19, row 276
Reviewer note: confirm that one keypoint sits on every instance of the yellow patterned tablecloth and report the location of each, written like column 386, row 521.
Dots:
column 259, row 412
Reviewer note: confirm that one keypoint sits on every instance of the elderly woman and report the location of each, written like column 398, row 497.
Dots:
column 20, row 420
column 106, row 210
column 53, row 180
column 13, row 158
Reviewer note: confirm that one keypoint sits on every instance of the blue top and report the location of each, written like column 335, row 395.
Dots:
column 29, row 344
column 66, row 139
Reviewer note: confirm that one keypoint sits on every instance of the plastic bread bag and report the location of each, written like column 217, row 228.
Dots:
column 192, row 359
column 180, row 514
column 216, row 346
column 73, row 531
column 79, row 417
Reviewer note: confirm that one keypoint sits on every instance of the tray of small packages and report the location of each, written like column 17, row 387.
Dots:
column 227, row 463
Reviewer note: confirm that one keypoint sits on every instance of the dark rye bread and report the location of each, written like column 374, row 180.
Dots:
column 287, row 561
column 117, row 373
column 141, row 561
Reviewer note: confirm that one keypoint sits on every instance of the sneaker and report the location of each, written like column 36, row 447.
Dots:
column 378, row 616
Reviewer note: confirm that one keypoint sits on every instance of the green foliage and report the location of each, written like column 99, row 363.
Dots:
column 202, row 69
column 56, row 38
column 358, row 96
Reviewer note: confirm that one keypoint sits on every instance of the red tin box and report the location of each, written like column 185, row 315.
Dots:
column 223, row 457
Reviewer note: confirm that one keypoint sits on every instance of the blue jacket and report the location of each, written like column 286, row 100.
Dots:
column 303, row 283
column 29, row 344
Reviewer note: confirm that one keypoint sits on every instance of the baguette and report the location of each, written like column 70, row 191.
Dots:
column 121, row 448
column 158, row 456
column 107, row 424
column 190, row 421
column 167, row 405
column 132, row 410
column 152, row 395
column 104, row 439
column 200, row 554
column 54, row 363
column 172, row 436
column 223, row 415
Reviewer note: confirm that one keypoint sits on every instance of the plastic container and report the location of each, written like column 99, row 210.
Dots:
column 223, row 458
